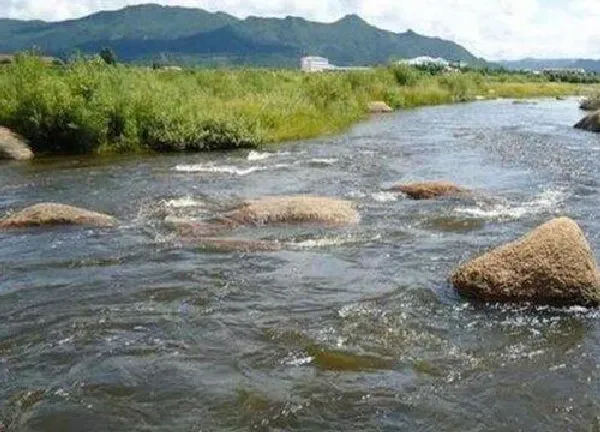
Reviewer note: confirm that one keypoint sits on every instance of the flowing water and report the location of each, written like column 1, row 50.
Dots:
column 135, row 328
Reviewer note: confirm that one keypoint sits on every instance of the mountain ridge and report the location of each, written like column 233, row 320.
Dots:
column 141, row 33
column 532, row 63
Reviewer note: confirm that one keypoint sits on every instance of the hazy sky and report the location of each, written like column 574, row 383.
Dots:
column 495, row 29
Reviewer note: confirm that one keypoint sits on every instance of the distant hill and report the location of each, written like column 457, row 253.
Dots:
column 590, row 65
column 148, row 32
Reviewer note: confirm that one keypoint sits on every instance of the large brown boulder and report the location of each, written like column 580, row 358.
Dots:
column 590, row 123
column 47, row 214
column 379, row 107
column 300, row 209
column 553, row 264
column 13, row 147
column 429, row 190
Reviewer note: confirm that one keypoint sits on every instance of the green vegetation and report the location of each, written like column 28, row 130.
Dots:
column 88, row 106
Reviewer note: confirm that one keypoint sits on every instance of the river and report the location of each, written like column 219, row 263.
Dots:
column 137, row 329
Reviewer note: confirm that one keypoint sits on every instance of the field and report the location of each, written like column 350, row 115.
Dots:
column 88, row 106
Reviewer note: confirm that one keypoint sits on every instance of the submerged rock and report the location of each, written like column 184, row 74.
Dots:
column 300, row 209
column 55, row 214
column 553, row 264
column 379, row 107
column 429, row 190
column 590, row 123
column 340, row 361
column 13, row 146
column 238, row 245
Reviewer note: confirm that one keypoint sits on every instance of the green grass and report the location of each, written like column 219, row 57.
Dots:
column 88, row 106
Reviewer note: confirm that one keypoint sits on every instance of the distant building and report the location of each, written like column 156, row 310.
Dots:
column 425, row 61
column 315, row 64
column 321, row 64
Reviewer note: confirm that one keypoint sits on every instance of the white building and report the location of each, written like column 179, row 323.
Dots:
column 315, row 64
column 320, row 64
column 425, row 60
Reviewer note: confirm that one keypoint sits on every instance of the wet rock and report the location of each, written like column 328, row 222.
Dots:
column 302, row 209
column 335, row 360
column 591, row 103
column 379, row 107
column 13, row 146
column 429, row 190
column 50, row 214
column 590, row 123
column 553, row 264
column 238, row 245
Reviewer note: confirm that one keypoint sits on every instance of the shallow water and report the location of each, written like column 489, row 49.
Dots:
column 137, row 329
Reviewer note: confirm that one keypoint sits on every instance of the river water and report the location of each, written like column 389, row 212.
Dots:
column 137, row 329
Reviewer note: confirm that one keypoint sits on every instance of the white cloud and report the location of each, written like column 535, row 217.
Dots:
column 489, row 28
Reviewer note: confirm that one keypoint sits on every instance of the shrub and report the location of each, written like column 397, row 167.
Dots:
column 406, row 75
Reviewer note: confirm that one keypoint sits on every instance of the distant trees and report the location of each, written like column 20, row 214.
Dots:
column 108, row 55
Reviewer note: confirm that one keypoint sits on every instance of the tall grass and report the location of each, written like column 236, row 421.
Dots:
column 88, row 106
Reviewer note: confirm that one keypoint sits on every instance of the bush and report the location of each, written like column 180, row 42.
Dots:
column 406, row 75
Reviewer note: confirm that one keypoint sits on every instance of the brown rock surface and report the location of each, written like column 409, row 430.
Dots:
column 379, row 107
column 590, row 122
column 55, row 214
column 301, row 209
column 13, row 147
column 429, row 190
column 553, row 264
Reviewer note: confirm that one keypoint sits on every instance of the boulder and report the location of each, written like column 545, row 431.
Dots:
column 429, row 190
column 13, row 147
column 379, row 107
column 591, row 103
column 553, row 264
column 300, row 209
column 590, row 123
column 49, row 214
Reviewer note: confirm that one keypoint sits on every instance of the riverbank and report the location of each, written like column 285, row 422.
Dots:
column 91, row 107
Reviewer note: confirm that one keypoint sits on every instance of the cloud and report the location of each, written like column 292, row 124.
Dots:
column 490, row 28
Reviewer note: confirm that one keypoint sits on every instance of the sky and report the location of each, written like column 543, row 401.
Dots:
column 494, row 29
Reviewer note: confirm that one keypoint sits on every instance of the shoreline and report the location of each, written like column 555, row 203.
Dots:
column 91, row 108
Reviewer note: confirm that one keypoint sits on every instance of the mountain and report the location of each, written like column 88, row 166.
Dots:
column 590, row 65
column 146, row 32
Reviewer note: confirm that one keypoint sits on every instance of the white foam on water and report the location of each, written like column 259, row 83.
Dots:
column 184, row 202
column 257, row 156
column 384, row 196
column 323, row 161
column 547, row 201
column 355, row 194
column 222, row 169
column 298, row 361
column 329, row 241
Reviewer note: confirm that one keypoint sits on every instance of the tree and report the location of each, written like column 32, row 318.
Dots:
column 108, row 56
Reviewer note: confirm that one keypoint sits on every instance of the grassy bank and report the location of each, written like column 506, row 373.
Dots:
column 88, row 106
